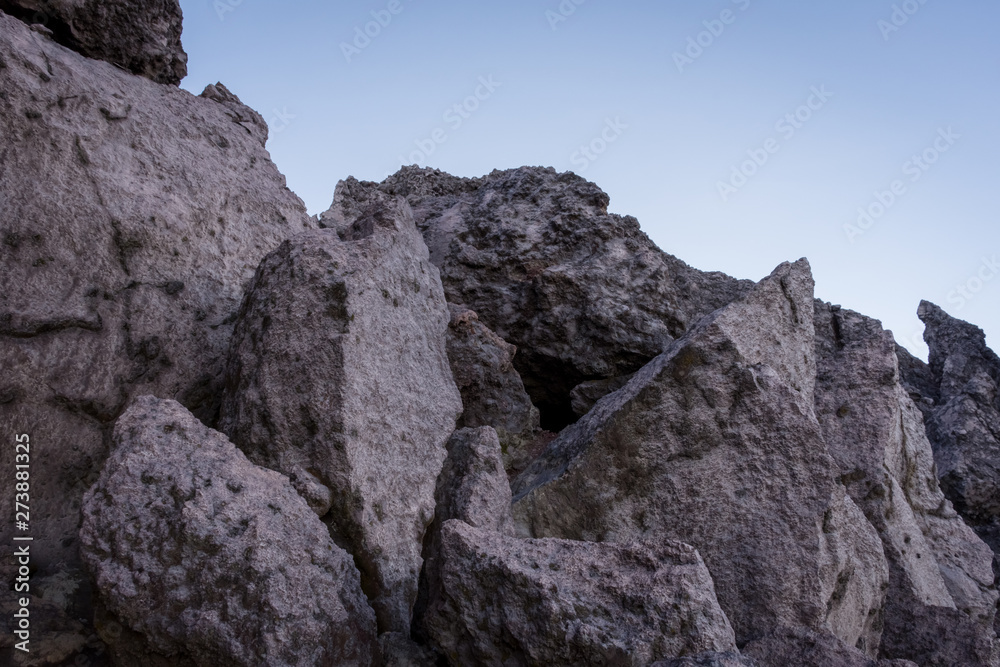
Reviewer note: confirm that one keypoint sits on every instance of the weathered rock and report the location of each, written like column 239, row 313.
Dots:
column 786, row 647
column 133, row 215
column 715, row 443
column 492, row 391
column 583, row 294
column 338, row 376
column 586, row 394
column 559, row 602
column 141, row 37
column 710, row 659
column 213, row 559
column 876, row 434
column 398, row 650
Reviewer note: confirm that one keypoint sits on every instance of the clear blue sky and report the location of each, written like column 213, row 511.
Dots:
column 820, row 108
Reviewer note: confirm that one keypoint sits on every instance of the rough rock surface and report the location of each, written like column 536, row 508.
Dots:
column 338, row 376
column 141, row 37
column 133, row 215
column 213, row 559
column 709, row 659
column 786, row 647
column 715, row 443
column 583, row 294
column 560, row 602
column 396, row 649
column 492, row 391
column 963, row 421
column 937, row 564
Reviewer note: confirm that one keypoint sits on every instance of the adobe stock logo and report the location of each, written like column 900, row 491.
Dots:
column 588, row 153
column 381, row 18
column 967, row 291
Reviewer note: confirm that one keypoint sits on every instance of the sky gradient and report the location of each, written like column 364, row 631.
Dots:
column 741, row 133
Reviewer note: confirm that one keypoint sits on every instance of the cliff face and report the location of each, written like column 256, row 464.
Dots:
column 450, row 421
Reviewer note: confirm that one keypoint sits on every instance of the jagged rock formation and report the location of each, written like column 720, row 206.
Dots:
column 559, row 602
column 709, row 659
column 797, row 646
column 583, row 294
column 141, row 37
column 721, row 425
column 492, row 391
column 338, row 376
column 941, row 584
column 133, row 214
column 212, row 560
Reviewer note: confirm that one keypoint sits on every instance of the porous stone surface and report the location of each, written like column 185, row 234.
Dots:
column 875, row 432
column 708, row 659
column 396, row 649
column 715, row 443
column 559, row 602
column 213, row 559
column 492, row 391
column 133, row 215
column 338, row 376
column 583, row 294
column 141, row 37
column 798, row 646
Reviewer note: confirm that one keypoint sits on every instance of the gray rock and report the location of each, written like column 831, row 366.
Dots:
column 786, row 647
column 586, row 394
column 711, row 659
column 338, row 376
column 715, row 443
column 492, row 391
column 133, row 215
column 141, row 37
column 398, row 650
column 508, row 601
column 212, row 559
column 583, row 294
column 876, row 434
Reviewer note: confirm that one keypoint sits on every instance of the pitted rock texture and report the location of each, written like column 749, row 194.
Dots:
column 710, row 659
column 876, row 434
column 213, row 559
column 492, row 391
column 583, row 294
column 133, row 215
column 964, row 419
column 338, row 376
column 141, row 37
column 559, row 602
column 787, row 646
column 715, row 443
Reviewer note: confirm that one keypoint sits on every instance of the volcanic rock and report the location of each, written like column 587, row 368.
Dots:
column 338, row 376
column 560, row 602
column 212, row 559
column 583, row 294
column 141, row 37
column 133, row 215
column 937, row 564
column 715, row 443
column 786, row 647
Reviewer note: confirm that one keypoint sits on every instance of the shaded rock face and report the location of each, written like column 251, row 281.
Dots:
column 715, row 443
column 941, row 589
column 209, row 559
column 709, row 659
column 508, row 601
column 963, row 418
column 492, row 391
column 141, row 37
column 787, row 646
column 338, row 376
column 133, row 215
column 583, row 294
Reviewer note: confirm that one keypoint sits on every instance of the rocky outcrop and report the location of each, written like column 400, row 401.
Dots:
column 338, row 376
column 205, row 557
column 133, row 215
column 875, row 432
column 788, row 646
column 709, row 659
column 141, row 37
column 492, row 391
column 715, row 443
column 560, row 602
column 583, row 294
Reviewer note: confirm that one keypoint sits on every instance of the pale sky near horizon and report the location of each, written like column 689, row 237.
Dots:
column 741, row 133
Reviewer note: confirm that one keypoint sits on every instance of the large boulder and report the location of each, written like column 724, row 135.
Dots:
column 133, row 215
column 583, row 294
column 492, row 391
column 941, row 590
column 561, row 602
column 204, row 557
column 797, row 646
column 338, row 376
column 141, row 37
column 715, row 443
